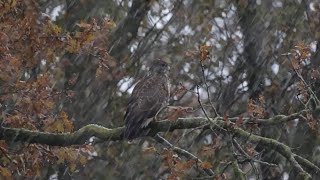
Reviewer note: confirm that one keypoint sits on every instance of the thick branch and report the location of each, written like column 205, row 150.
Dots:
column 276, row 145
column 83, row 134
column 60, row 139
column 307, row 164
column 127, row 30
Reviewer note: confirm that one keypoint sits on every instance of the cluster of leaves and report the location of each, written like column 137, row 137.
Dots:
column 178, row 168
column 178, row 112
column 256, row 108
column 31, row 77
column 204, row 52
column 300, row 60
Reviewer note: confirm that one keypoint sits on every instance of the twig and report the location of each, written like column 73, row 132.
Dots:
column 276, row 145
column 207, row 88
column 160, row 110
column 248, row 158
column 5, row 153
column 304, row 82
column 182, row 152
column 238, row 173
column 201, row 105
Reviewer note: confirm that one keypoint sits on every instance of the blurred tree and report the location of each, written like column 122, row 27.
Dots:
column 244, row 88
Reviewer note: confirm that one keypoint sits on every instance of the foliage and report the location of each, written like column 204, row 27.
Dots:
column 31, row 74
column 244, row 88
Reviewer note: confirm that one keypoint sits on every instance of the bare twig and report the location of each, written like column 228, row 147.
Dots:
column 277, row 146
column 182, row 152
column 201, row 105
column 238, row 173
column 250, row 159
column 207, row 89
column 304, row 82
column 160, row 110
column 5, row 153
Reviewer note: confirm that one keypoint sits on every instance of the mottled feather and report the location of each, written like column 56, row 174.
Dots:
column 148, row 97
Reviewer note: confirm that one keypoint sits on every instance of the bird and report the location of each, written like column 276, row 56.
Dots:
column 149, row 96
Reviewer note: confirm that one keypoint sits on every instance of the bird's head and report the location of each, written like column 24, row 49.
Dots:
column 159, row 67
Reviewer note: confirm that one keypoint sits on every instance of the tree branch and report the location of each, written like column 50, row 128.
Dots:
column 276, row 145
column 127, row 29
column 82, row 135
column 238, row 173
column 182, row 152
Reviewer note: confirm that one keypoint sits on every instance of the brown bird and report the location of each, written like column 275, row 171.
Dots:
column 148, row 97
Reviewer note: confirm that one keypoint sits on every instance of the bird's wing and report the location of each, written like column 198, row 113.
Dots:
column 147, row 98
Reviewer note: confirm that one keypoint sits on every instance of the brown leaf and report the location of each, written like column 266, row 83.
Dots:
column 256, row 108
column 84, row 25
column 207, row 151
column 221, row 177
column 239, row 121
column 6, row 173
column 83, row 160
column 250, row 149
column 173, row 176
column 226, row 119
column 206, row 165
column 61, row 156
column 184, row 165
column 168, row 158
column 204, row 52
column 109, row 24
column 179, row 91
column 72, row 167
column 176, row 112
column 149, row 150
column 315, row 74
column 312, row 122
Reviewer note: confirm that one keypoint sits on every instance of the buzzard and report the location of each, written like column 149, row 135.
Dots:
column 148, row 97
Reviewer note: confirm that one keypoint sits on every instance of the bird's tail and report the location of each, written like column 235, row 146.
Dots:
column 136, row 128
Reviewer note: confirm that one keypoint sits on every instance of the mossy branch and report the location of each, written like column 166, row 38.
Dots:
column 82, row 135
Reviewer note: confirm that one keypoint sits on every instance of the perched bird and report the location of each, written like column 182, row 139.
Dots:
column 147, row 98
